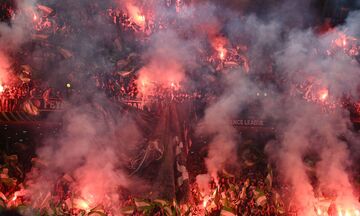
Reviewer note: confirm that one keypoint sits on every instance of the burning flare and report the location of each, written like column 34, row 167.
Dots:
column 219, row 44
column 136, row 15
column 82, row 204
column 323, row 94
column 331, row 208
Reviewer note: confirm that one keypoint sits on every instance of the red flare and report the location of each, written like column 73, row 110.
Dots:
column 323, row 94
column 136, row 15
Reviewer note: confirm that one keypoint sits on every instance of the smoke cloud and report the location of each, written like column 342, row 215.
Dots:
column 13, row 35
column 96, row 137
column 17, row 32
column 91, row 148
column 305, row 128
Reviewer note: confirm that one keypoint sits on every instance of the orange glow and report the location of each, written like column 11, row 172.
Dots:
column 136, row 15
column 357, row 212
column 1, row 88
column 139, row 19
column 15, row 197
column 340, row 213
column 348, row 44
column 348, row 212
column 143, row 85
column 323, row 94
column 5, row 72
column 222, row 54
column 82, row 204
column 343, row 40
column 175, row 85
column 144, row 82
column 319, row 212
column 219, row 44
column 209, row 198
column 205, row 202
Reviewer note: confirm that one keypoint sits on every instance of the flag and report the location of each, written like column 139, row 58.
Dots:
column 247, row 183
column 184, row 173
column 46, row 95
column 249, row 163
column 243, row 190
column 2, row 196
column 243, row 193
column 30, row 108
column 129, row 210
column 261, row 200
column 98, row 211
column 227, row 174
column 278, row 203
column 142, row 204
column 269, row 178
column 260, row 197
column 65, row 53
column 25, row 77
column 45, row 9
column 161, row 202
column 226, row 211
column 168, row 211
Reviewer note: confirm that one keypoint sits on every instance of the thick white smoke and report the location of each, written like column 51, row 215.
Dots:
column 92, row 146
column 168, row 57
column 13, row 35
column 308, row 128
column 91, row 149
column 217, row 122
column 305, row 128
